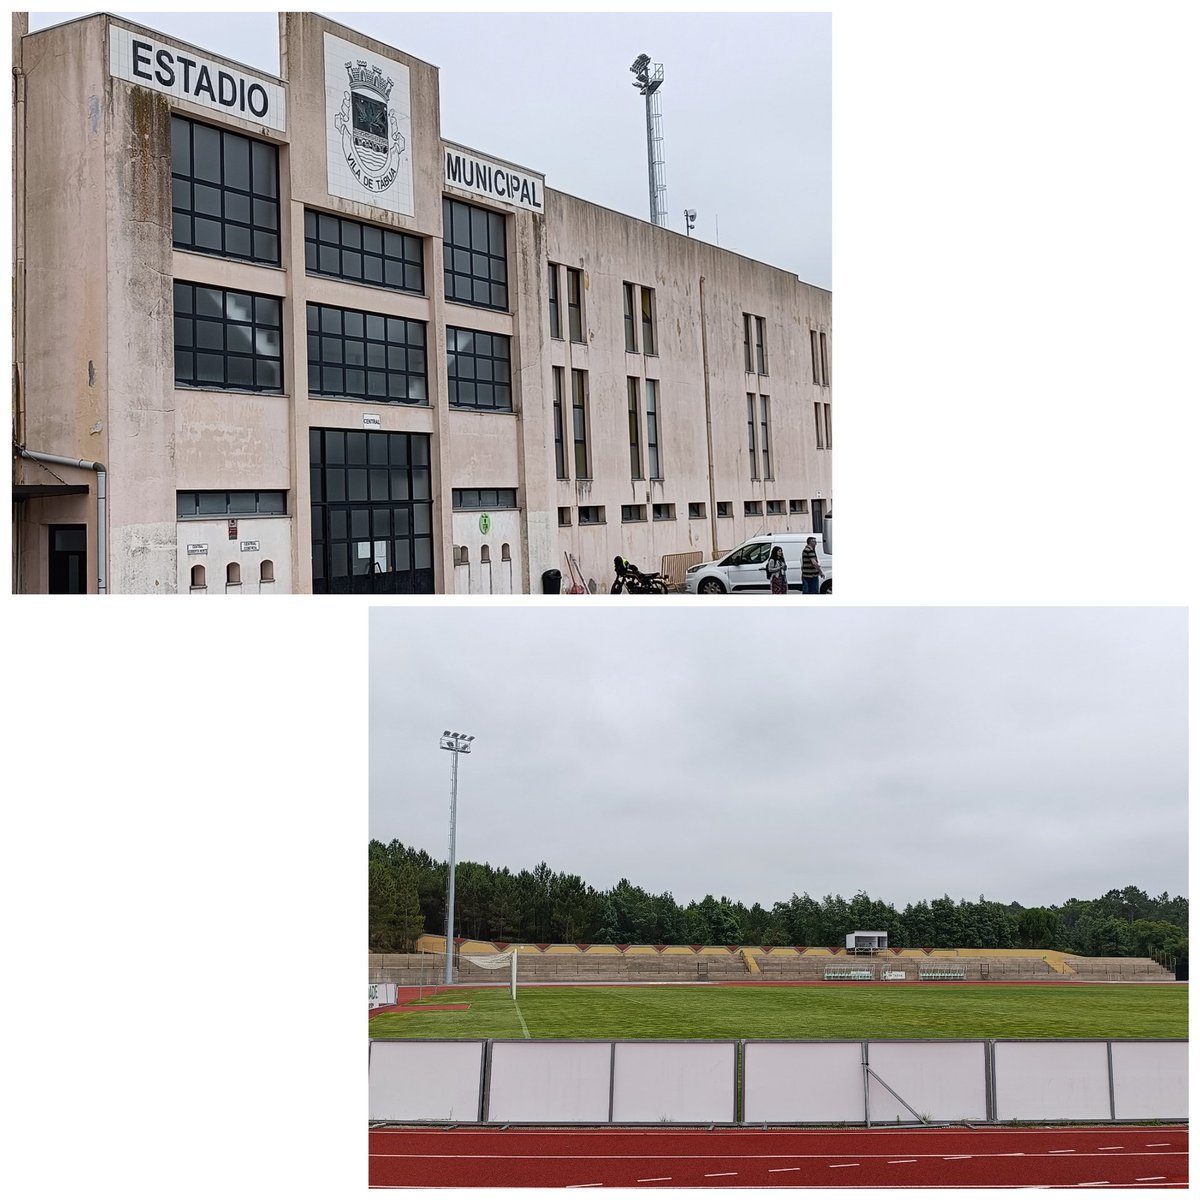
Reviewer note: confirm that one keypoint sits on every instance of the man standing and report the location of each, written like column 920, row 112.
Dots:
column 810, row 568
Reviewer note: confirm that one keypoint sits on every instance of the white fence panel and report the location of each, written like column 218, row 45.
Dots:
column 425, row 1081
column 1052, row 1081
column 944, row 1081
column 803, row 1082
column 550, row 1081
column 674, row 1081
column 1150, row 1080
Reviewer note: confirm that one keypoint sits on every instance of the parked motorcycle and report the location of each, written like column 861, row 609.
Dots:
column 627, row 578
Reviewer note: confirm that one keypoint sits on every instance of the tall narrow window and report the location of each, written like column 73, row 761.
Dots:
column 746, row 343
column 816, row 366
column 474, row 255
column 555, row 317
column 649, row 341
column 828, row 428
column 635, row 436
column 817, row 418
column 579, row 423
column 751, row 428
column 824, row 363
column 575, row 304
column 560, row 452
column 652, row 455
column 765, row 414
column 630, row 321
column 760, row 343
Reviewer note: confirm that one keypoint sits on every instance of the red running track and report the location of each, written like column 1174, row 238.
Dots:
column 1114, row 1156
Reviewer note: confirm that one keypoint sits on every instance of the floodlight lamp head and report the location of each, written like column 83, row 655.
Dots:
column 445, row 733
column 640, row 63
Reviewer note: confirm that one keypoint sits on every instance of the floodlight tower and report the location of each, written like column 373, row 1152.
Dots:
column 456, row 743
column 649, row 78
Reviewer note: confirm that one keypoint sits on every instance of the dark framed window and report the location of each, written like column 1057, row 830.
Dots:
column 489, row 498
column 817, row 422
column 828, row 428
column 224, row 192
column 346, row 249
column 579, row 399
column 724, row 508
column 750, row 426
column 575, row 303
column 564, row 517
column 560, row 450
column 746, row 343
column 591, row 514
column 774, row 508
column 366, row 356
column 633, row 512
column 372, row 511
column 474, row 255
column 760, row 343
column 797, row 506
column 824, row 362
column 753, row 508
column 635, row 431
column 227, row 340
column 479, row 369
column 237, row 504
column 649, row 339
column 653, row 459
column 764, row 404
column 555, row 314
column 664, row 512
column 630, row 321
column 696, row 510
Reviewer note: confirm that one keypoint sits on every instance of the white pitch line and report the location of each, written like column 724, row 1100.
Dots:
column 525, row 1031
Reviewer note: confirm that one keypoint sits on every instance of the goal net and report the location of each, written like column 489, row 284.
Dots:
column 498, row 962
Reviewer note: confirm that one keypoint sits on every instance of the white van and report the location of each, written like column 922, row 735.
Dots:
column 744, row 569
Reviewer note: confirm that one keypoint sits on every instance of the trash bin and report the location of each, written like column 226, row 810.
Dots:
column 551, row 582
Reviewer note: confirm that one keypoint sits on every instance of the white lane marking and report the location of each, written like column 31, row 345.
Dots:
column 719, row 1174
column 1155, row 1145
column 776, row 1170
column 578, row 1185
column 1110, row 1147
column 1092, row 1183
column 955, row 1157
column 892, row 1161
column 657, row 1179
column 834, row 1166
column 1147, row 1178
column 1060, row 1151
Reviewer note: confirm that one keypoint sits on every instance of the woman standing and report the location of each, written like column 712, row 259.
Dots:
column 777, row 572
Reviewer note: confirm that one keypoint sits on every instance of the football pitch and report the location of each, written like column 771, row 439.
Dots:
column 827, row 1012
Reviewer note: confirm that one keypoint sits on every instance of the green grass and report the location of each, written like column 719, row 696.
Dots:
column 931, row 1011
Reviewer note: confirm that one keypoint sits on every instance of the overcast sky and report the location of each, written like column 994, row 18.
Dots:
column 746, row 108
column 1028, row 755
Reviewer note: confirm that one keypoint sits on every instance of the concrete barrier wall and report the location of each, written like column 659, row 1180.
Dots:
column 644, row 1082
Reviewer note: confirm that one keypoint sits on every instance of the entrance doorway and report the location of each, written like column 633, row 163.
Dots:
column 372, row 512
column 68, row 560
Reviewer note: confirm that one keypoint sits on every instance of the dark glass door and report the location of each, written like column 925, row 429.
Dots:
column 372, row 512
column 68, row 559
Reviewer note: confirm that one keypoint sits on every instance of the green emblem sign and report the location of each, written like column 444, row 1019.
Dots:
column 485, row 523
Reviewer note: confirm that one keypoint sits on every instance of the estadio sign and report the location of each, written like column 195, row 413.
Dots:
column 152, row 63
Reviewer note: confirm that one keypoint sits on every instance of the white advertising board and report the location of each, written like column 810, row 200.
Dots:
column 1150, row 1080
column 944, row 1081
column 368, row 127
column 674, row 1081
column 153, row 63
column 425, row 1081
column 381, row 994
column 1052, row 1081
column 550, row 1081
column 803, row 1082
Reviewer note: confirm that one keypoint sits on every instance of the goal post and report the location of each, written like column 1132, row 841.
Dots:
column 498, row 962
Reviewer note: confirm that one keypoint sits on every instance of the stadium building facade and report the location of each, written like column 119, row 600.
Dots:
column 278, row 335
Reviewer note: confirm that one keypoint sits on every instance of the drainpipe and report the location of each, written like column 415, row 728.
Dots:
column 712, row 485
column 101, row 505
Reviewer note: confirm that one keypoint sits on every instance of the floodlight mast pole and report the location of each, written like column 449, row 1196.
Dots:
column 456, row 743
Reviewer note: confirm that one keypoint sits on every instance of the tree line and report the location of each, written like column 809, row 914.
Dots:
column 407, row 897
